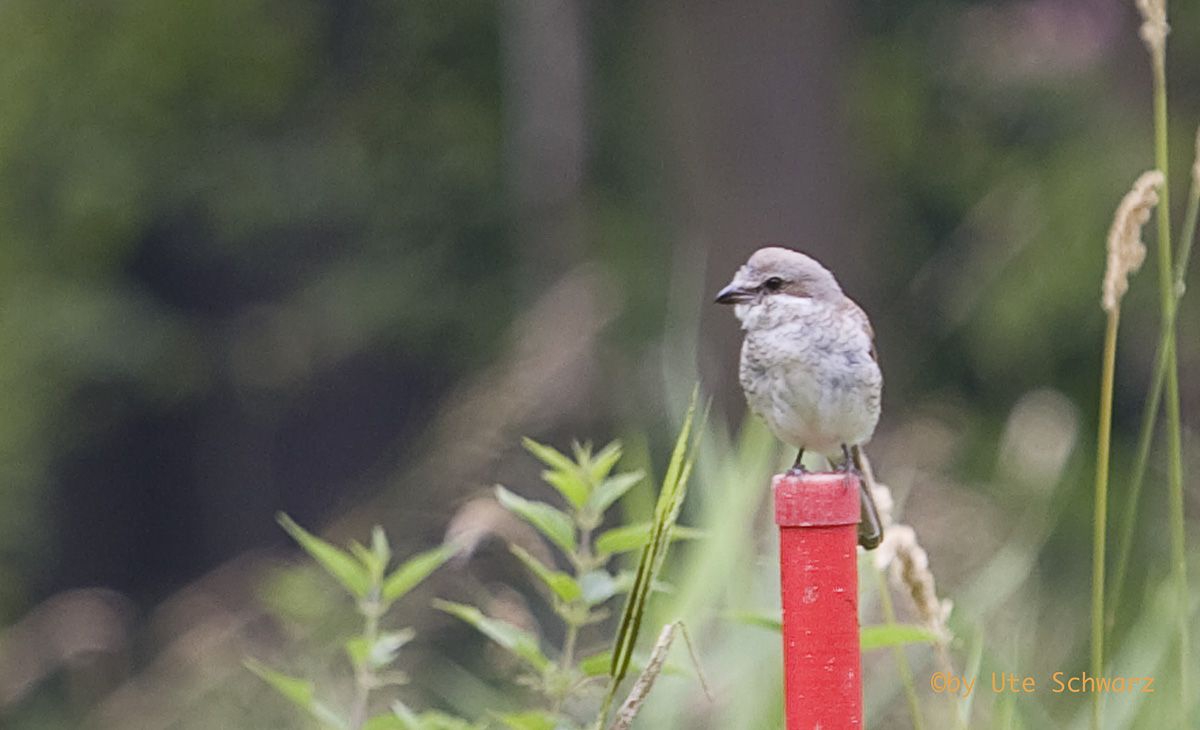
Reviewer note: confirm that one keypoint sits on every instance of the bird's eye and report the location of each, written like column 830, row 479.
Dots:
column 773, row 284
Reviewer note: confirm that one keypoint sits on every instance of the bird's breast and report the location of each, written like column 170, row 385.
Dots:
column 812, row 379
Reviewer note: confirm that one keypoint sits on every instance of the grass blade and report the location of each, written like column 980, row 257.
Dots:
column 666, row 512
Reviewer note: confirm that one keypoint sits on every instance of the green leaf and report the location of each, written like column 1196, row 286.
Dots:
column 529, row 721
column 515, row 640
column 885, row 635
column 633, row 537
column 568, row 484
column 442, row 721
column 431, row 720
column 770, row 622
column 357, row 648
column 406, row 716
column 595, row 665
column 352, row 574
column 597, row 586
column 564, row 474
column 554, row 524
column 624, row 581
column 582, row 452
column 872, row 637
column 561, row 584
column 602, row 463
column 300, row 692
column 612, row 489
column 380, row 548
column 387, row 644
column 391, row 722
column 382, row 652
column 549, row 455
column 414, row 570
column 366, row 557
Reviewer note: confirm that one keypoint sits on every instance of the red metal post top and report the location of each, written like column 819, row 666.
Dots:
column 817, row 516
column 814, row 499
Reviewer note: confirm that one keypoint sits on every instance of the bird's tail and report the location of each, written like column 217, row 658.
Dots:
column 870, row 528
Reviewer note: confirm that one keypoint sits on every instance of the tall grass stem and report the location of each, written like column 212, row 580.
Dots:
column 1125, row 254
column 1152, row 404
column 1100, row 518
column 1174, row 427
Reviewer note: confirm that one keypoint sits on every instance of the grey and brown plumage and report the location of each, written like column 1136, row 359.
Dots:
column 808, row 363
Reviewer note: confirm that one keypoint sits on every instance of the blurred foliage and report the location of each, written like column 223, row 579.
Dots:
column 215, row 197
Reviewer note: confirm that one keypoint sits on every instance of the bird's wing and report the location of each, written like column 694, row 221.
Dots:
column 870, row 526
column 856, row 313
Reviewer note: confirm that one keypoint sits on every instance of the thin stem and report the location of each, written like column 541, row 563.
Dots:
column 1150, row 412
column 568, row 652
column 1100, row 518
column 568, row 659
column 1189, row 236
column 364, row 678
column 1141, row 460
column 906, row 675
column 582, row 562
column 1174, row 427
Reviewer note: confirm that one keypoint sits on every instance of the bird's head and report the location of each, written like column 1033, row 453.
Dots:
column 773, row 273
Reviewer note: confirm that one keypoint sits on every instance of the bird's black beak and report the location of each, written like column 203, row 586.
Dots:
column 734, row 294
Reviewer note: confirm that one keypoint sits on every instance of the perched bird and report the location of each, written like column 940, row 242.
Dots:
column 808, row 364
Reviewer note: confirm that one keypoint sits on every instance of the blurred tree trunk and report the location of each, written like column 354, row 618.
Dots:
column 545, row 81
column 753, row 95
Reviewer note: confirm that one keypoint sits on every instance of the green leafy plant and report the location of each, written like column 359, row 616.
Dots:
column 589, row 485
column 364, row 573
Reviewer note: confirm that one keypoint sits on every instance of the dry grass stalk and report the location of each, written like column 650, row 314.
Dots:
column 1126, row 252
column 909, row 569
column 909, row 564
column 1154, row 25
column 645, row 681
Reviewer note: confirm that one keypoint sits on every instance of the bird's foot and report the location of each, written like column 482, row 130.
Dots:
column 798, row 469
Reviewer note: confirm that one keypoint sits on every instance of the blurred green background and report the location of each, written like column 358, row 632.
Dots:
column 335, row 257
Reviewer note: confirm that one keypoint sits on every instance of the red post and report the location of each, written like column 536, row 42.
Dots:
column 817, row 516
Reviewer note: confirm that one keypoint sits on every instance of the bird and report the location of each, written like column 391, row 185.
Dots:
column 808, row 364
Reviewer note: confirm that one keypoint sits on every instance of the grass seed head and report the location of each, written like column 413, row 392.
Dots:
column 1126, row 252
column 909, row 565
column 1154, row 25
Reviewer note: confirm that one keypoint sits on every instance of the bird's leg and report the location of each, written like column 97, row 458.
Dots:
column 848, row 465
column 798, row 467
